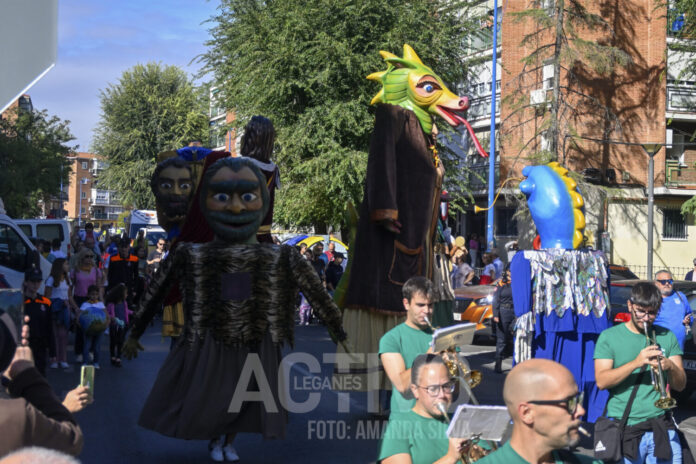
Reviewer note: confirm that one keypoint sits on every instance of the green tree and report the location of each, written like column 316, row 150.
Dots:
column 33, row 147
column 303, row 65
column 153, row 108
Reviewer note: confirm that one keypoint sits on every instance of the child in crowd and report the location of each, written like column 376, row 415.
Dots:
column 38, row 308
column 58, row 290
column 94, row 321
column 118, row 312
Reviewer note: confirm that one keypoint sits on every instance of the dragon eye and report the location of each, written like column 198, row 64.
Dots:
column 429, row 86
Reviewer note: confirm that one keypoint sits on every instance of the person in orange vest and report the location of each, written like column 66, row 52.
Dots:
column 122, row 268
column 38, row 308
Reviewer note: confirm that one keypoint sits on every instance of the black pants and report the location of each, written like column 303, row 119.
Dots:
column 39, row 349
column 117, row 335
column 504, row 332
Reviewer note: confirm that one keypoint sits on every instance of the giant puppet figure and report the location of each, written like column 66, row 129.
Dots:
column 257, row 144
column 239, row 306
column 560, row 292
column 399, row 212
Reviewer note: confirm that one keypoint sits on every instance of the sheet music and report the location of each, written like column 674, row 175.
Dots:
column 490, row 422
column 455, row 335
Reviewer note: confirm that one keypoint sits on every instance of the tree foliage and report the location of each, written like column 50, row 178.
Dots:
column 33, row 146
column 153, row 108
column 303, row 65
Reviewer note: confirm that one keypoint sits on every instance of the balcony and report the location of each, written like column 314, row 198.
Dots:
column 105, row 216
column 681, row 174
column 481, row 108
column 681, row 98
column 481, row 40
column 477, row 176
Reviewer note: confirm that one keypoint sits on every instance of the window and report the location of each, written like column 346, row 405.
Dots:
column 506, row 225
column 50, row 231
column 547, row 76
column 85, row 165
column 676, row 152
column 14, row 253
column 83, row 194
column 673, row 224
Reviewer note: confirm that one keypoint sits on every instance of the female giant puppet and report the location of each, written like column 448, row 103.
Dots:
column 560, row 292
column 239, row 307
column 398, row 216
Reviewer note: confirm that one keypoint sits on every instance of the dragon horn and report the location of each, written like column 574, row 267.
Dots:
column 379, row 98
column 410, row 54
column 387, row 55
column 377, row 76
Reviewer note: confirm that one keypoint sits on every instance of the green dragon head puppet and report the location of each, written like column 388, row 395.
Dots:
column 409, row 83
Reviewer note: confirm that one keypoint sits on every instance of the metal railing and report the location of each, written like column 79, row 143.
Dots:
column 678, row 272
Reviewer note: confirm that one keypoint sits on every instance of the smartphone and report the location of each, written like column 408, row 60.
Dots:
column 87, row 379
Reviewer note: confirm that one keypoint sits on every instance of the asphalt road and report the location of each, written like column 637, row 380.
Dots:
column 321, row 435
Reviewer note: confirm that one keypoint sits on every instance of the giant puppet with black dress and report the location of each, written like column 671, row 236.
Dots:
column 560, row 291
column 399, row 213
column 238, row 297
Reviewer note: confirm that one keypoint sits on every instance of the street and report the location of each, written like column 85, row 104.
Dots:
column 321, row 435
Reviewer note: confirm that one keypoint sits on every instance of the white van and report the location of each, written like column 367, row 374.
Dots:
column 147, row 221
column 47, row 229
column 17, row 254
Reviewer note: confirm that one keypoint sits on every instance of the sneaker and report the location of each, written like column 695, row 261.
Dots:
column 64, row 365
column 97, row 366
column 54, row 365
column 230, row 453
column 78, row 358
column 215, row 448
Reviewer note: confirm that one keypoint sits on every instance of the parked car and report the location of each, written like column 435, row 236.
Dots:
column 619, row 272
column 473, row 304
column 621, row 291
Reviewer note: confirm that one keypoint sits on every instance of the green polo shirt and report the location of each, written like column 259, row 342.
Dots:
column 622, row 346
column 506, row 455
column 423, row 438
column 410, row 343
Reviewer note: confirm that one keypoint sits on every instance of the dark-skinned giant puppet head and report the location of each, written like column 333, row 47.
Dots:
column 234, row 199
column 172, row 185
column 409, row 83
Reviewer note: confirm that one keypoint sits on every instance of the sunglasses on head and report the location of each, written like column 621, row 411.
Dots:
column 665, row 281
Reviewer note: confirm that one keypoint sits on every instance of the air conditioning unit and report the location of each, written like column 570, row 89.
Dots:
column 537, row 97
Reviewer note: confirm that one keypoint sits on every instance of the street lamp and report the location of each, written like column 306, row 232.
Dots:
column 84, row 180
column 651, row 149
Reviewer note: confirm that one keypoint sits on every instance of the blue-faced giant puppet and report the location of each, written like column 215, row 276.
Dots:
column 239, row 308
column 560, row 291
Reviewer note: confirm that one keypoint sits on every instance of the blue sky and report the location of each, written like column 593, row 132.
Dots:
column 98, row 40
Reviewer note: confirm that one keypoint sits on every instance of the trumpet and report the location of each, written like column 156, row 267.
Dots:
column 658, row 380
column 471, row 450
column 459, row 369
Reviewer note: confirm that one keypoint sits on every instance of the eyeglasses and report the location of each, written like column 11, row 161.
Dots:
column 434, row 390
column 641, row 313
column 665, row 281
column 570, row 404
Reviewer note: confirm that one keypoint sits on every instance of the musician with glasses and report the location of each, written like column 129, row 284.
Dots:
column 419, row 436
column 620, row 354
column 545, row 406
column 675, row 312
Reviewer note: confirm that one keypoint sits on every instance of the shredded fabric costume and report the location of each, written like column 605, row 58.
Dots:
column 239, row 307
column 561, row 301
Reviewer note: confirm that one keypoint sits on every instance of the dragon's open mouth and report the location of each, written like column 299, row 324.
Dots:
column 455, row 118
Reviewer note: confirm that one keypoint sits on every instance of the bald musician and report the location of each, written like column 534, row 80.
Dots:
column 545, row 406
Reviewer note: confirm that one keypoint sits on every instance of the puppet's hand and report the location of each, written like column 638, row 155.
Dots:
column 392, row 225
column 131, row 348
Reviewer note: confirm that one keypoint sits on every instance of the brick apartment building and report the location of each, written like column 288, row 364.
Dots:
column 86, row 201
column 649, row 106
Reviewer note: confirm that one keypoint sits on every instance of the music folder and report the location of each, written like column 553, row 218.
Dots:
column 455, row 335
column 487, row 422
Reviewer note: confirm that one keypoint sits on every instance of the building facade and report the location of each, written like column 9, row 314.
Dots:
column 86, row 200
column 605, row 118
